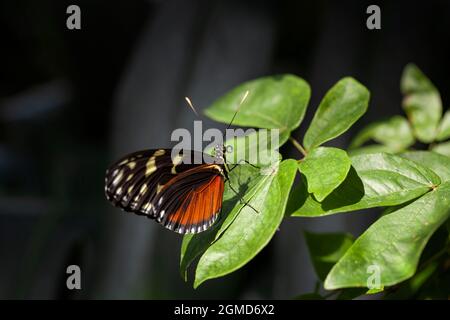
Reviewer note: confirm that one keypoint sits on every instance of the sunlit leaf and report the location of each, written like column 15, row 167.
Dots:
column 250, row 231
column 324, row 168
column 374, row 180
column 246, row 180
column 341, row 107
column 436, row 162
column 275, row 102
column 442, row 148
column 393, row 244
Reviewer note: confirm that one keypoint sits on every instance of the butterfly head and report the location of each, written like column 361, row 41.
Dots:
column 220, row 152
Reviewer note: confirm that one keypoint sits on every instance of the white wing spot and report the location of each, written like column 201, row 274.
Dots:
column 147, row 207
column 118, row 178
column 159, row 152
column 150, row 166
column 143, row 188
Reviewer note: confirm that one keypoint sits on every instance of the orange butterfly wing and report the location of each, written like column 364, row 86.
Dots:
column 191, row 202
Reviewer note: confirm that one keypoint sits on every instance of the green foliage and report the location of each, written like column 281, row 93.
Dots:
column 393, row 243
column 326, row 249
column 394, row 133
column 341, row 107
column 376, row 180
column 422, row 103
column 436, row 162
column 412, row 187
column 444, row 128
column 276, row 102
column 423, row 106
column 244, row 232
column 442, row 148
column 325, row 169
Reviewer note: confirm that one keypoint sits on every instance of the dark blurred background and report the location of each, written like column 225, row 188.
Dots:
column 72, row 101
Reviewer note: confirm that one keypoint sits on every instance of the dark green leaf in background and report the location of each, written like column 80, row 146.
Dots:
column 413, row 80
column 422, row 103
column 325, row 249
column 341, row 107
column 395, row 133
column 444, row 127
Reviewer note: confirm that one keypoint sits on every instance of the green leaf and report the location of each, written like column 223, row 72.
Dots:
column 436, row 162
column 373, row 148
column 374, row 180
column 246, row 180
column 424, row 110
column 393, row 243
column 341, row 107
column 422, row 103
column 394, row 132
column 324, row 168
column 250, row 232
column 276, row 102
column 444, row 127
column 413, row 80
column 326, row 249
column 442, row 148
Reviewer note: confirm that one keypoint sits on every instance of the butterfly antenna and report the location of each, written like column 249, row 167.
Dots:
column 239, row 107
column 189, row 102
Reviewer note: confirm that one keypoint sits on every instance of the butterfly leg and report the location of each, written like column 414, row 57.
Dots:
column 247, row 162
column 234, row 166
column 240, row 199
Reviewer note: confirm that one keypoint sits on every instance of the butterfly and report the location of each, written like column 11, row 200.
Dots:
column 166, row 185
column 182, row 196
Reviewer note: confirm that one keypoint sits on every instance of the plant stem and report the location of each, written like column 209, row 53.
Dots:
column 298, row 146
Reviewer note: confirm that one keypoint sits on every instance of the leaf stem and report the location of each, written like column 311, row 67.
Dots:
column 298, row 146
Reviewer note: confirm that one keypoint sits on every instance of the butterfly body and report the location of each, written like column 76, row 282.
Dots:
column 181, row 190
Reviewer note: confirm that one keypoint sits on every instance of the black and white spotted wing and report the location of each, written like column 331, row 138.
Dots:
column 133, row 181
column 184, row 197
